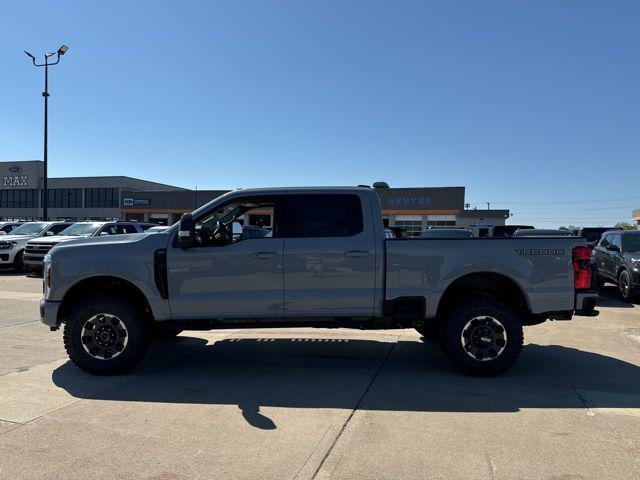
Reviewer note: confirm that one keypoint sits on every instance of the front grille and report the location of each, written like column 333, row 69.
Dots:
column 41, row 248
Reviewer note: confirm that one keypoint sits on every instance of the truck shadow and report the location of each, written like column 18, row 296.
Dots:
column 337, row 373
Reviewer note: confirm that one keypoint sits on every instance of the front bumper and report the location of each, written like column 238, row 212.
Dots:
column 586, row 303
column 49, row 312
column 7, row 256
column 34, row 261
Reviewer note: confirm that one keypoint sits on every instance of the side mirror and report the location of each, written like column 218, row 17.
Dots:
column 186, row 231
column 613, row 248
column 102, row 234
column 49, row 233
column 236, row 230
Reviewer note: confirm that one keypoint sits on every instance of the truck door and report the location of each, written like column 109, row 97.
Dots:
column 329, row 255
column 242, row 278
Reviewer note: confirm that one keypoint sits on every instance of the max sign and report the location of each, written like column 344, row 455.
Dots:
column 15, row 181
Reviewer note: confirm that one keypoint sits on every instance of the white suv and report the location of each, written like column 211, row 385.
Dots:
column 12, row 245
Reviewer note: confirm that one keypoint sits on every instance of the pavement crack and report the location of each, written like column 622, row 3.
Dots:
column 355, row 409
column 583, row 400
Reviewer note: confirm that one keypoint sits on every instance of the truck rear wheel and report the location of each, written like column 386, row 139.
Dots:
column 106, row 335
column 482, row 337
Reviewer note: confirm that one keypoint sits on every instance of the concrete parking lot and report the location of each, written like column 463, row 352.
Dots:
column 303, row 404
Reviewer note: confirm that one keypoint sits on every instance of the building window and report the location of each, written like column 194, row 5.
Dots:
column 65, row 197
column 101, row 198
column 19, row 198
column 441, row 223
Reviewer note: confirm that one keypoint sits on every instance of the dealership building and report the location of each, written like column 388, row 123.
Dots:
column 126, row 198
column 636, row 217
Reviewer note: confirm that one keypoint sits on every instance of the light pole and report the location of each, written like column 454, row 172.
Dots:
column 61, row 51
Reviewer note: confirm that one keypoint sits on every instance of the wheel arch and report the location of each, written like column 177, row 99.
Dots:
column 103, row 284
column 492, row 285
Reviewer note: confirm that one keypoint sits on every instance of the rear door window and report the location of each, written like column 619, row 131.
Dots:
column 314, row 216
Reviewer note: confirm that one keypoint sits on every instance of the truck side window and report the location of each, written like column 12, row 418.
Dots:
column 243, row 219
column 323, row 216
column 604, row 241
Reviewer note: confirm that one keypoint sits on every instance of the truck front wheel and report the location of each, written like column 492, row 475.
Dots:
column 106, row 335
column 482, row 337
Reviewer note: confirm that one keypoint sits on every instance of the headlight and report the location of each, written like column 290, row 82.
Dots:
column 46, row 277
column 7, row 245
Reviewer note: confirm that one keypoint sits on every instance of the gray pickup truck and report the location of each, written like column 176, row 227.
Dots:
column 325, row 263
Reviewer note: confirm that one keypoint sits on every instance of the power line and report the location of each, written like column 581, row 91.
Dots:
column 554, row 202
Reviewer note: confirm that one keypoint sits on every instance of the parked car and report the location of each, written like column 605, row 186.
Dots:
column 12, row 245
column 388, row 233
column 447, row 233
column 617, row 260
column 7, row 227
column 592, row 234
column 508, row 230
column 36, row 249
column 249, row 231
column 543, row 232
column 157, row 228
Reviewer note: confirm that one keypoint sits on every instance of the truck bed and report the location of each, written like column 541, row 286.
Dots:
column 540, row 267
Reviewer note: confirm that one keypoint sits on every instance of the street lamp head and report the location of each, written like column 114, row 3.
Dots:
column 62, row 50
column 29, row 54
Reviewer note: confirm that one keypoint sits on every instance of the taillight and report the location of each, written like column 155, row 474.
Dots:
column 581, row 267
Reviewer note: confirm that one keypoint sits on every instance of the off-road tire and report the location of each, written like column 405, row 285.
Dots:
column 138, row 334
column 459, row 326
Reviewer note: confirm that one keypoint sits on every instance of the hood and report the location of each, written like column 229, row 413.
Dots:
column 14, row 238
column 154, row 240
column 57, row 239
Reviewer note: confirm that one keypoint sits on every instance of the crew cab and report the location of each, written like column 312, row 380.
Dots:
column 12, row 245
column 326, row 263
column 36, row 249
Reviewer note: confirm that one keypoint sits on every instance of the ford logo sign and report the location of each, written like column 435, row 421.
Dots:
column 15, row 169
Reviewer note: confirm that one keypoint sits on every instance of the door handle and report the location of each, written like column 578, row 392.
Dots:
column 263, row 255
column 356, row 253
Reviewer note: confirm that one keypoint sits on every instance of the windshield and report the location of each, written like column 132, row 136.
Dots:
column 81, row 229
column 31, row 229
column 631, row 243
column 592, row 234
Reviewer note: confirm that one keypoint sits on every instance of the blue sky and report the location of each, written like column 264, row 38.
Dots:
column 533, row 106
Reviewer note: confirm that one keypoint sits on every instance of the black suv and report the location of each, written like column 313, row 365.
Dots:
column 617, row 260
